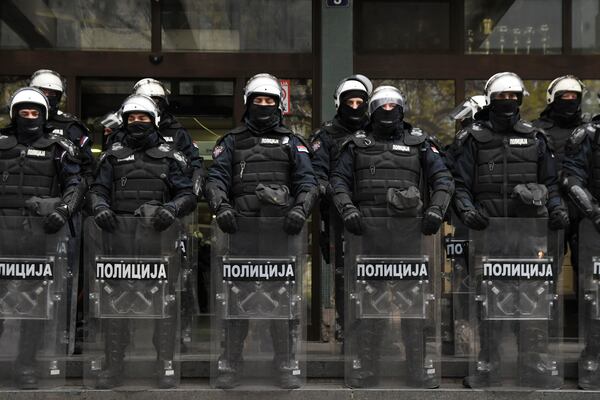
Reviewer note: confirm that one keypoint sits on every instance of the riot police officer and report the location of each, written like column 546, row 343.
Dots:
column 581, row 183
column 141, row 161
column 41, row 171
column 392, row 166
column 504, row 168
column 256, row 166
column 350, row 99
column 65, row 124
column 170, row 129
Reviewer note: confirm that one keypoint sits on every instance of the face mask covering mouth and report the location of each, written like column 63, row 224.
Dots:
column 262, row 118
column 140, row 130
column 504, row 113
column 353, row 117
column 385, row 122
column 566, row 109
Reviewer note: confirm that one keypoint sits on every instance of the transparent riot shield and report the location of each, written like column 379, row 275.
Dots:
column 133, row 275
column 35, row 285
column 392, row 305
column 258, row 305
column 457, row 254
column 589, row 307
column 516, row 307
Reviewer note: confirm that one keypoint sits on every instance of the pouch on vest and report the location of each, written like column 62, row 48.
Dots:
column 532, row 198
column 42, row 206
column 274, row 199
column 404, row 202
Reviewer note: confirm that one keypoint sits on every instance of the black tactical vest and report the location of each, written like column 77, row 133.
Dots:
column 503, row 160
column 60, row 124
column 557, row 138
column 27, row 171
column 594, row 174
column 257, row 159
column 380, row 164
column 139, row 176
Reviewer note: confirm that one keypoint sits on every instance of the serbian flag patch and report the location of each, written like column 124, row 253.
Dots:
column 302, row 149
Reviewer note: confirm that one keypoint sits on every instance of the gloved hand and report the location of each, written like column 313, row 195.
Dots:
column 353, row 221
column 432, row 220
column 475, row 220
column 294, row 221
column 163, row 218
column 105, row 218
column 226, row 220
column 56, row 219
column 559, row 219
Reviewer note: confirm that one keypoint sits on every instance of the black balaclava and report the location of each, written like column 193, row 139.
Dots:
column 387, row 122
column 261, row 119
column 53, row 97
column 565, row 113
column 29, row 129
column 351, row 118
column 139, row 134
column 503, row 114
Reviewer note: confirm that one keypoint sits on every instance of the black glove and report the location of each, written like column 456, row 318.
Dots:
column 432, row 220
column 226, row 220
column 294, row 221
column 56, row 219
column 353, row 221
column 105, row 218
column 559, row 219
column 475, row 220
column 163, row 218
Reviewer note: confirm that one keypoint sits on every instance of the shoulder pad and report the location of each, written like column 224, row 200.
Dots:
column 164, row 150
column 523, row 126
column 302, row 139
column 543, row 123
column 66, row 118
column 239, row 129
column 117, row 150
column 414, row 136
column 60, row 140
column 479, row 131
column 7, row 141
column 283, row 130
column 359, row 139
column 579, row 134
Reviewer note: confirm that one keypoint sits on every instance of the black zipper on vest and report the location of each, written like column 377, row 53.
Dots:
column 123, row 181
column 505, row 176
column 372, row 169
column 21, row 174
column 242, row 167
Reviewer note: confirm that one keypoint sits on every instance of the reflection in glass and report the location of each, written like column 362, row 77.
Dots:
column 8, row 85
column 237, row 25
column 586, row 26
column 513, row 27
column 428, row 104
column 403, row 25
column 299, row 119
column 75, row 24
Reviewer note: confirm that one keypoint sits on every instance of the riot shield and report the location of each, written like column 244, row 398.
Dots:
column 392, row 305
column 35, row 285
column 457, row 254
column 258, row 305
column 133, row 276
column 589, row 308
column 515, row 306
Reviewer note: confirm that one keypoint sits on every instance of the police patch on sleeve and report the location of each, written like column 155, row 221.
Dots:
column 434, row 149
column 316, row 145
column 217, row 151
column 302, row 148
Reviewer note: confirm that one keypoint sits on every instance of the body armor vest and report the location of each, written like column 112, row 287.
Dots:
column 139, row 177
column 382, row 164
column 262, row 159
column 503, row 161
column 27, row 171
column 594, row 181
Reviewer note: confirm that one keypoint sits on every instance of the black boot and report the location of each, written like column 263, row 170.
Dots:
column 538, row 368
column 365, row 368
column 164, row 342
column 29, row 338
column 420, row 369
column 487, row 373
column 230, row 362
column 589, row 362
column 116, row 338
column 283, row 334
